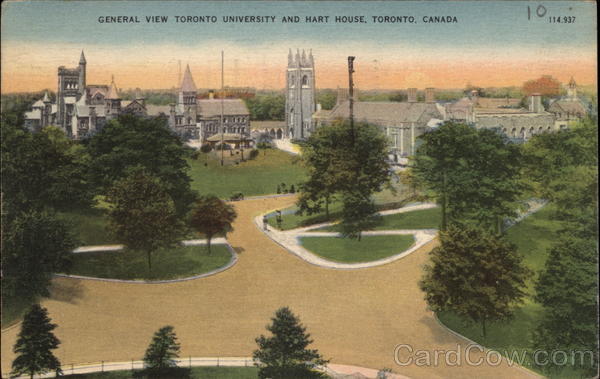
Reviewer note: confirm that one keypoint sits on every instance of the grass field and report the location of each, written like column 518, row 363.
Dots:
column 259, row 176
column 195, row 373
column 533, row 236
column 347, row 250
column 420, row 219
column 89, row 226
column 175, row 263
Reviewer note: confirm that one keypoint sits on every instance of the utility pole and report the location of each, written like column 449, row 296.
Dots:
column 222, row 104
column 351, row 95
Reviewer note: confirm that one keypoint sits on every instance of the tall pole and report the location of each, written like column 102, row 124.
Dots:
column 222, row 104
column 351, row 95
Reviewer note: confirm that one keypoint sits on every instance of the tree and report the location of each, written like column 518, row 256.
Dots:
column 35, row 344
column 285, row 354
column 545, row 85
column 163, row 349
column 349, row 162
column 567, row 288
column 35, row 245
column 475, row 174
column 210, row 216
column 142, row 214
column 475, row 274
column 358, row 214
column 42, row 170
column 131, row 141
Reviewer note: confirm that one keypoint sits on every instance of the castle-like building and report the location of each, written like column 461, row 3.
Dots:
column 81, row 109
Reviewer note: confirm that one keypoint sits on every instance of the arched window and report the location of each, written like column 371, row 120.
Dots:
column 305, row 80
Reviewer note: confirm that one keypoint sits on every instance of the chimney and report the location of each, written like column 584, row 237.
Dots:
column 412, row 95
column 535, row 103
column 430, row 95
column 211, row 94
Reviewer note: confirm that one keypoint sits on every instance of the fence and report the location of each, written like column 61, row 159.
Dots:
column 70, row 369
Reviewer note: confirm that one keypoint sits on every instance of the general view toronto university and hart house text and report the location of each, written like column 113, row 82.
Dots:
column 81, row 109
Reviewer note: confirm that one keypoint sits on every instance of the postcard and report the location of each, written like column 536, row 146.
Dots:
column 299, row 189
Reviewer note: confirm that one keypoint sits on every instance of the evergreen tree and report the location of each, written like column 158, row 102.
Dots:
column 285, row 355
column 163, row 349
column 35, row 344
column 211, row 215
column 475, row 274
column 142, row 214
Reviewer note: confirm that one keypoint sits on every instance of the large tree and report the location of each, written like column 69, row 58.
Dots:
column 210, row 216
column 34, row 345
column 41, row 170
column 474, row 274
column 34, row 246
column 285, row 354
column 346, row 161
column 131, row 141
column 473, row 173
column 142, row 214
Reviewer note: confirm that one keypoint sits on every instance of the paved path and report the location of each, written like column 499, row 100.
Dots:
column 96, row 248
column 355, row 317
column 290, row 240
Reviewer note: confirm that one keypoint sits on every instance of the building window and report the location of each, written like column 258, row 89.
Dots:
column 305, row 80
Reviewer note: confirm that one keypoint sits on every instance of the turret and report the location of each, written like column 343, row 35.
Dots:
column 82, row 79
column 113, row 100
column 290, row 59
column 572, row 89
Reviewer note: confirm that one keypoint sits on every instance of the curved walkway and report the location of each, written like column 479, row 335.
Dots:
column 290, row 240
column 354, row 316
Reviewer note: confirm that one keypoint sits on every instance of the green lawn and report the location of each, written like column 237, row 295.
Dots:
column 347, row 250
column 420, row 219
column 196, row 373
column 256, row 177
column 533, row 236
column 174, row 263
column 13, row 309
column 385, row 199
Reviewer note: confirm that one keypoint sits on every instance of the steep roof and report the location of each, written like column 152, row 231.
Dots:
column 212, row 107
column 574, row 107
column 82, row 58
column 113, row 93
column 516, row 121
column 46, row 98
column 155, row 110
column 388, row 113
column 187, row 83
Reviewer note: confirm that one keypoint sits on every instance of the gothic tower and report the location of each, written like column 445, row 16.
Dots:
column 82, row 63
column 71, row 86
column 300, row 95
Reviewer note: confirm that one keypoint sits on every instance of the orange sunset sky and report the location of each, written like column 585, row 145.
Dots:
column 493, row 44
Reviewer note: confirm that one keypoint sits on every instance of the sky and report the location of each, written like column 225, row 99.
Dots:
column 493, row 43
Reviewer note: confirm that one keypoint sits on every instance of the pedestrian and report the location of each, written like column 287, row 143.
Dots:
column 265, row 223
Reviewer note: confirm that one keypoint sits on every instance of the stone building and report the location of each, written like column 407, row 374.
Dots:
column 402, row 122
column 300, row 98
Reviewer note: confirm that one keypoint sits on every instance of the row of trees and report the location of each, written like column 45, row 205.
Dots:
column 282, row 355
column 137, row 166
column 478, row 177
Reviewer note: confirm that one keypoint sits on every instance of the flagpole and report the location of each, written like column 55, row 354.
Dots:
column 222, row 104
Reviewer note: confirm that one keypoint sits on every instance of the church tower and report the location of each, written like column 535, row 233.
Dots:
column 82, row 64
column 300, row 95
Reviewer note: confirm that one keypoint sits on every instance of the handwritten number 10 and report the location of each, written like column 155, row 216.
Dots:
column 540, row 11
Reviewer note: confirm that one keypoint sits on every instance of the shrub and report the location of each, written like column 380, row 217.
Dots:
column 253, row 154
column 206, row 148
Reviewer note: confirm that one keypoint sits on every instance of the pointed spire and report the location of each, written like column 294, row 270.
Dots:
column 187, row 83
column 311, row 60
column 113, row 93
column 572, row 82
column 46, row 98
column 82, row 58
column 303, row 57
column 297, row 62
column 290, row 58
